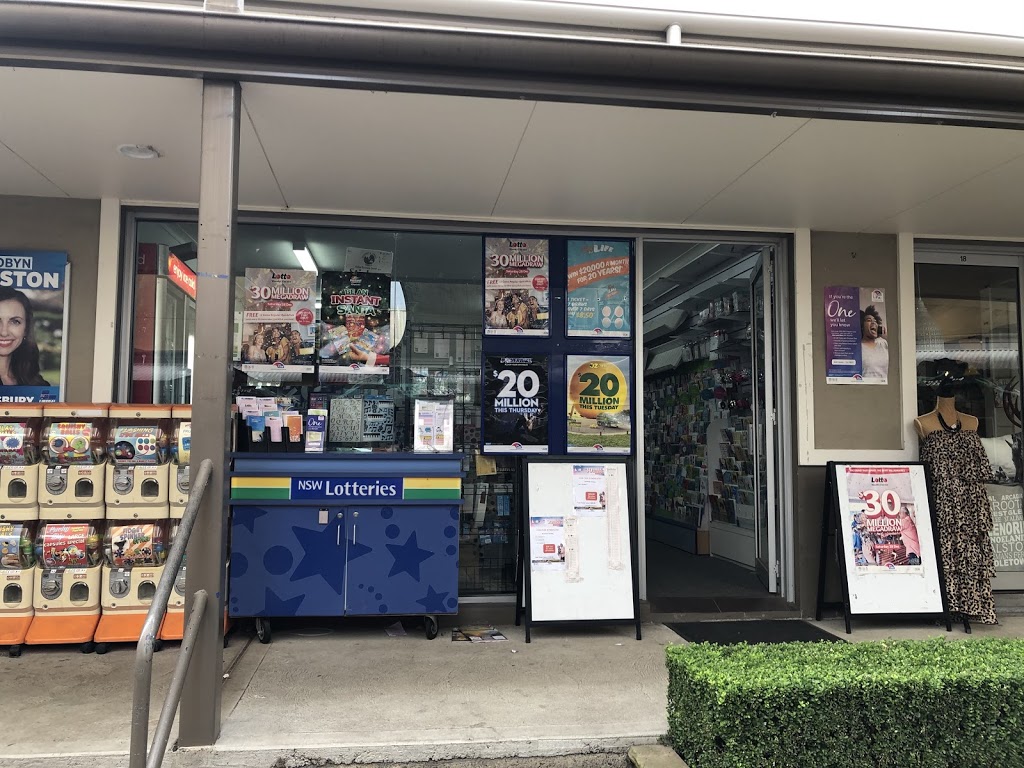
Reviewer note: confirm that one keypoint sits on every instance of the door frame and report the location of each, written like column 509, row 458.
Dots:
column 971, row 254
column 783, row 329
column 768, row 569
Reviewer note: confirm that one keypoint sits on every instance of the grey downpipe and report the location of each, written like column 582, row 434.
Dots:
column 144, row 649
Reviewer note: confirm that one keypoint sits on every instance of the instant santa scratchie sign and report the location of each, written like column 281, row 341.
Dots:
column 599, row 415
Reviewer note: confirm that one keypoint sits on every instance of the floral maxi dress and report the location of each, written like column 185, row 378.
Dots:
column 963, row 516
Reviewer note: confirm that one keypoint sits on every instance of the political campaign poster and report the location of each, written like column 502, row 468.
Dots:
column 598, row 300
column 515, row 404
column 599, row 414
column 278, row 321
column 888, row 541
column 33, row 325
column 355, row 322
column 516, row 287
column 856, row 335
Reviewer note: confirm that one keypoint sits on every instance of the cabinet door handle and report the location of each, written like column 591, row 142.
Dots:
column 353, row 533
column 337, row 538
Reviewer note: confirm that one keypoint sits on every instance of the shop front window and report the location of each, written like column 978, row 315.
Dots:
column 968, row 323
column 391, row 330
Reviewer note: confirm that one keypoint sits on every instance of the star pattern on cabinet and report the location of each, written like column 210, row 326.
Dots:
column 408, row 557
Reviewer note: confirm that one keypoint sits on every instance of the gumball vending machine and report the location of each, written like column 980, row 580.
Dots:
column 173, row 626
column 17, row 576
column 135, row 547
column 66, row 593
column 19, row 513
column 73, row 474
column 134, row 554
column 19, row 454
column 138, row 450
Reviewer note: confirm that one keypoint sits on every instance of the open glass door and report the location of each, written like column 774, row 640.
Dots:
column 762, row 294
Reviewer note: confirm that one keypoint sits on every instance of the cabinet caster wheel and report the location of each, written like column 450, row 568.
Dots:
column 101, row 648
column 88, row 647
column 263, row 631
column 158, row 645
column 14, row 651
column 430, row 627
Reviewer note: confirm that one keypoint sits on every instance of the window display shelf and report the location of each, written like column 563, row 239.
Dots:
column 272, row 374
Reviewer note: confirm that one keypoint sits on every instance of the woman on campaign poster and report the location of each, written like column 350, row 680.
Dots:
column 32, row 297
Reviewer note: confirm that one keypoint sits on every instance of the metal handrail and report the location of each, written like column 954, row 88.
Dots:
column 144, row 651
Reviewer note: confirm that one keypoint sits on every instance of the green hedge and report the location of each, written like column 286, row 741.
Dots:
column 893, row 704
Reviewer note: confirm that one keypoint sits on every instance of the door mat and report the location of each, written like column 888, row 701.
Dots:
column 755, row 631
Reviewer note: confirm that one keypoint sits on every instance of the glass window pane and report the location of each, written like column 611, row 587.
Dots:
column 163, row 331
column 970, row 314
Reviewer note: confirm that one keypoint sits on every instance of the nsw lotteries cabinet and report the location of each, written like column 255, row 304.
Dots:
column 357, row 535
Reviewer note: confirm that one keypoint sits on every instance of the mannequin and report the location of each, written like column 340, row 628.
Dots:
column 959, row 469
column 945, row 405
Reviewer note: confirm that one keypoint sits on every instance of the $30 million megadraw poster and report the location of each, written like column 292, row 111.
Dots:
column 516, row 287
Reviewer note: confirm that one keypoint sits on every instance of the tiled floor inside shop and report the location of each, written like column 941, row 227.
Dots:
column 353, row 693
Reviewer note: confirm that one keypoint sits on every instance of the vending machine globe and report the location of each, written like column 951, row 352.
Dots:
column 136, row 541
column 19, row 513
column 66, row 592
column 173, row 625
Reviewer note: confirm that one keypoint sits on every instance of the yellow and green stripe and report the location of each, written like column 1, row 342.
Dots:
column 446, row 488
column 261, row 487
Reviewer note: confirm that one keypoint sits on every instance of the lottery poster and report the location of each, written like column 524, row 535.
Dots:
column 547, row 544
column 279, row 320
column 515, row 404
column 598, row 408
column 355, row 321
column 517, row 289
column 598, row 300
column 886, row 519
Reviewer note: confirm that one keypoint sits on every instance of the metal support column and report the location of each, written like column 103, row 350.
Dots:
column 199, row 722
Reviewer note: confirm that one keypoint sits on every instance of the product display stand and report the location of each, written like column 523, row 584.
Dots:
column 832, row 523
column 596, row 581
column 371, row 534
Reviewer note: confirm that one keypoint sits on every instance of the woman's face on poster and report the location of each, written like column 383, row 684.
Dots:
column 12, row 326
column 869, row 327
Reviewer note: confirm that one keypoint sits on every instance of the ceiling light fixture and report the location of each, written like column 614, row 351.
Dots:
column 139, row 151
column 304, row 257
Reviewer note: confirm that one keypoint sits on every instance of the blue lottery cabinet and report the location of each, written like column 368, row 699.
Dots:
column 372, row 534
